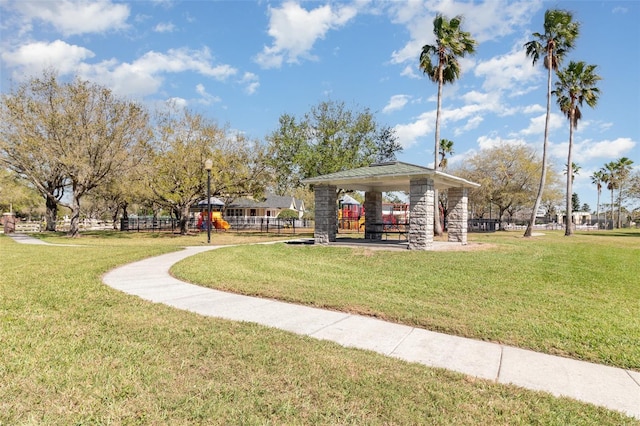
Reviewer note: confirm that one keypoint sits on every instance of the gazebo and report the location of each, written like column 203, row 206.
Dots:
column 420, row 182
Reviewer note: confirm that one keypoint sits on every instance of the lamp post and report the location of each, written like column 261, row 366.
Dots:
column 208, row 164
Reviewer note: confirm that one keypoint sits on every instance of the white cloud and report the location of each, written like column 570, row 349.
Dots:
column 511, row 72
column 411, row 72
column 77, row 17
column 144, row 76
column 488, row 142
column 471, row 124
column 295, row 30
column 475, row 97
column 164, row 27
column 533, row 109
column 408, row 134
column 179, row 60
column 484, row 20
column 206, row 98
column 397, row 102
column 605, row 149
column 177, row 102
column 491, row 19
column 251, row 83
column 32, row 58
column 536, row 124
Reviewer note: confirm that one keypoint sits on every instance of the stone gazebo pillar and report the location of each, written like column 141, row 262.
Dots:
column 373, row 215
column 458, row 215
column 421, row 217
column 326, row 220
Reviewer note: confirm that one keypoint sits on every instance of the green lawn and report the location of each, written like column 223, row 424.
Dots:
column 74, row 351
column 577, row 297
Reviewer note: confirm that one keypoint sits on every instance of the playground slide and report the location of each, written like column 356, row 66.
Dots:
column 216, row 220
column 219, row 223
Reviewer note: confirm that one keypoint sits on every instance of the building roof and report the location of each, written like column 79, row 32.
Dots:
column 214, row 202
column 349, row 200
column 390, row 176
column 271, row 201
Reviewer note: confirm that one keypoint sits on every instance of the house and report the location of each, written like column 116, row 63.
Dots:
column 269, row 207
column 579, row 218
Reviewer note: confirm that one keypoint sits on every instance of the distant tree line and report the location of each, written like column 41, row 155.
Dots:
column 617, row 177
column 78, row 146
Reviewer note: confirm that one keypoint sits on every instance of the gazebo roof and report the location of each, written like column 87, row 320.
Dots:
column 390, row 176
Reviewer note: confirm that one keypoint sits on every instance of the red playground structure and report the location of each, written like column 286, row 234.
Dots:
column 351, row 214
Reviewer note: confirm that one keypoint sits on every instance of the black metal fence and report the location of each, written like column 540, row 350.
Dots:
column 269, row 224
column 151, row 224
column 237, row 224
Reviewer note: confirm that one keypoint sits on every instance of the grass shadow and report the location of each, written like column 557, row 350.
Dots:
column 629, row 233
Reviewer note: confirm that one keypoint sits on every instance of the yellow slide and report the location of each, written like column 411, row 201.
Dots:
column 219, row 222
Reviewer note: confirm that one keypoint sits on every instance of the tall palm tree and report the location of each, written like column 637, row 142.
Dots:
column 623, row 169
column 576, row 85
column 446, row 147
column 597, row 178
column 560, row 33
column 440, row 63
column 609, row 173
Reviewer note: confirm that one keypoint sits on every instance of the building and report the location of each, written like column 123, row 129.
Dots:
column 419, row 182
column 269, row 207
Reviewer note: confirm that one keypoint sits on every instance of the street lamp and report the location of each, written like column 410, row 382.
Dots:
column 208, row 164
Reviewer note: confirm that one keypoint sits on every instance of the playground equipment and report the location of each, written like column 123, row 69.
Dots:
column 395, row 213
column 351, row 215
column 216, row 220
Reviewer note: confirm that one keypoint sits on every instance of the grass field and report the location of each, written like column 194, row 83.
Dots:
column 77, row 352
column 577, row 297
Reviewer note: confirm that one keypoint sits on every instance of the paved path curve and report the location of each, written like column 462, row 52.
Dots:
column 614, row 388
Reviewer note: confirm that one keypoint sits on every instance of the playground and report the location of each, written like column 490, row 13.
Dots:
column 351, row 215
column 217, row 222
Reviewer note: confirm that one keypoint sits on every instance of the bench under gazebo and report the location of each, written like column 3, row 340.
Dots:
column 419, row 182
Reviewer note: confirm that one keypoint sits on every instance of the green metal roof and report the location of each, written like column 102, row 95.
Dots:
column 390, row 176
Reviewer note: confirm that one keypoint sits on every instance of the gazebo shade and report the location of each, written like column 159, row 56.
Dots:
column 390, row 176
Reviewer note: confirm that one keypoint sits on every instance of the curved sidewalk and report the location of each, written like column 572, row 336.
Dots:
column 610, row 387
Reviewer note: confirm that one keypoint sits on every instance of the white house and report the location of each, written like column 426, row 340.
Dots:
column 269, row 207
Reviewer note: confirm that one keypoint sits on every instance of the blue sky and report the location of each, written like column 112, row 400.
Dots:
column 245, row 63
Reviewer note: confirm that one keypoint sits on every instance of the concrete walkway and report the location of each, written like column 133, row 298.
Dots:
column 610, row 387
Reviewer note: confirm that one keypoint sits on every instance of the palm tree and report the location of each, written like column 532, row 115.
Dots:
column 576, row 85
column 446, row 147
column 559, row 36
column 623, row 169
column 575, row 170
column 440, row 63
column 609, row 173
column 597, row 178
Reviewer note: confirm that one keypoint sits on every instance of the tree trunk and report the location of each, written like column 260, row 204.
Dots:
column 74, row 227
column 51, row 214
column 569, row 226
column 620, row 206
column 182, row 216
column 543, row 173
column 114, row 217
column 598, row 210
column 611, row 208
column 437, row 225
